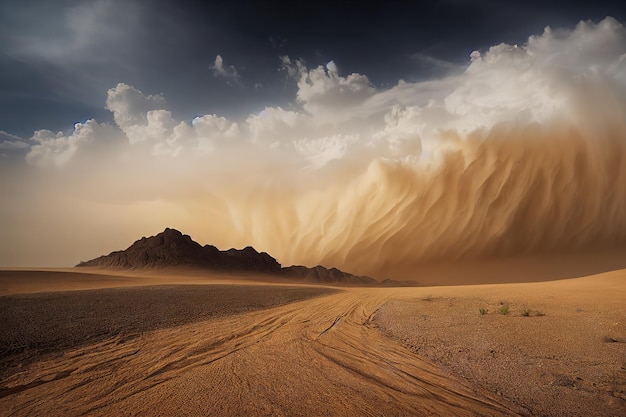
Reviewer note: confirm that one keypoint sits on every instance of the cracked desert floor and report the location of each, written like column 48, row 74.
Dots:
column 113, row 343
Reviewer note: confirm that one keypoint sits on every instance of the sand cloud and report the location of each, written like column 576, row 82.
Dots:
column 522, row 152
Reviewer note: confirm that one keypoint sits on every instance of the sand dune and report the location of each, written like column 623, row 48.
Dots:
column 359, row 351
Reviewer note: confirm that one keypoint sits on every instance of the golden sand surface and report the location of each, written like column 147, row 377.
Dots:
column 554, row 348
column 560, row 350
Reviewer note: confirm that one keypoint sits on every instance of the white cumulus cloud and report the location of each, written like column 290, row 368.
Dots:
column 130, row 107
column 228, row 72
column 57, row 149
column 322, row 91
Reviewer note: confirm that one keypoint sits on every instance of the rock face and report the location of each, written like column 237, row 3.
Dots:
column 171, row 248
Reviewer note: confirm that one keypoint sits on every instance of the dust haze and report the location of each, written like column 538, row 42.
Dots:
column 521, row 152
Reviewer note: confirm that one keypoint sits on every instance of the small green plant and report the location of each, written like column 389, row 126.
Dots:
column 504, row 310
column 526, row 312
column 483, row 311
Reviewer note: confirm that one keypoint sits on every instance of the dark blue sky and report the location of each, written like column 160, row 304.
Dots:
column 58, row 59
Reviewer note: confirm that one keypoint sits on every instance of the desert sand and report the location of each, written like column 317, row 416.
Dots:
column 101, row 342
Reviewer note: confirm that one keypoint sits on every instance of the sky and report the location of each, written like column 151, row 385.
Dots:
column 359, row 136
column 59, row 58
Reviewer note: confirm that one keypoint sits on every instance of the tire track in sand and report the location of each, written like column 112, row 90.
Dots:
column 322, row 356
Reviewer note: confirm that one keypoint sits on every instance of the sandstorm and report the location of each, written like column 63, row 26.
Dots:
column 519, row 152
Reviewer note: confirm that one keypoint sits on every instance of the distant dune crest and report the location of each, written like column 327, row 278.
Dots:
column 172, row 248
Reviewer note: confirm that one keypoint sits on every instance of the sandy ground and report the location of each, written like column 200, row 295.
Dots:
column 554, row 349
column 357, row 351
column 42, row 324
column 25, row 280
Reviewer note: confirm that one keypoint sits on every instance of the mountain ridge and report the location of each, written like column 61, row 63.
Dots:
column 171, row 248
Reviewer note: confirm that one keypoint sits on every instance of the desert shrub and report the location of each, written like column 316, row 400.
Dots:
column 504, row 310
column 483, row 311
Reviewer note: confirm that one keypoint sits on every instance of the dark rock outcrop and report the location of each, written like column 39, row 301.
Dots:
column 394, row 283
column 171, row 248
column 321, row 274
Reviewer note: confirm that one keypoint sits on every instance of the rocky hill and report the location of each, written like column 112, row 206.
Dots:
column 324, row 275
column 171, row 248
